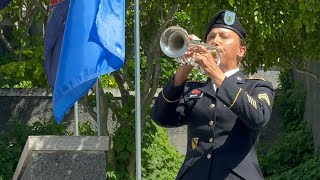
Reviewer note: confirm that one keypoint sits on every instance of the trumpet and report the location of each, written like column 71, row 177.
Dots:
column 174, row 42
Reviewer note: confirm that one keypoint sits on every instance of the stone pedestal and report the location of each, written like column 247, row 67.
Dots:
column 63, row 157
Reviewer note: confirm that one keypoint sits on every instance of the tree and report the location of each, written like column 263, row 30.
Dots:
column 280, row 33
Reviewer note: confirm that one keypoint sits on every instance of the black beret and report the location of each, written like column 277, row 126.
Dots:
column 226, row 19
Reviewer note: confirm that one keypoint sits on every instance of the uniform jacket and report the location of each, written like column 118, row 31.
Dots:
column 223, row 125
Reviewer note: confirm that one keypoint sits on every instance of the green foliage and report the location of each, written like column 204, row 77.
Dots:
column 291, row 150
column 23, row 84
column 169, row 67
column 29, row 72
column 270, row 26
column 23, row 16
column 159, row 159
column 22, row 65
column 291, row 156
column 13, row 139
column 107, row 81
column 123, row 136
column 86, row 129
column 307, row 170
column 292, row 97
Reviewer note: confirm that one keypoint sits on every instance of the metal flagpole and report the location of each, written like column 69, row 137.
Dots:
column 98, row 107
column 76, row 121
column 137, row 91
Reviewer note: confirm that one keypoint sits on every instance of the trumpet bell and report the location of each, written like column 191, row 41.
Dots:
column 174, row 41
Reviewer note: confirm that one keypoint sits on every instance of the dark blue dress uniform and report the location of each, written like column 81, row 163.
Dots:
column 223, row 125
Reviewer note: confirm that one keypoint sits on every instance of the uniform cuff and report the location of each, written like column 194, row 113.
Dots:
column 172, row 93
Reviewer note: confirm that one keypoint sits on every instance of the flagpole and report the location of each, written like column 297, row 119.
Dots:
column 76, row 121
column 98, row 107
column 137, row 90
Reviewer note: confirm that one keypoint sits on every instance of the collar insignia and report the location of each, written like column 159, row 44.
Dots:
column 54, row 2
column 195, row 92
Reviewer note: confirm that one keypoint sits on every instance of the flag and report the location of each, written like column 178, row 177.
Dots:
column 93, row 45
column 58, row 11
column 4, row 3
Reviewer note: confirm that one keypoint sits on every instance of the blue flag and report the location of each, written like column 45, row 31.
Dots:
column 93, row 45
column 4, row 3
column 58, row 12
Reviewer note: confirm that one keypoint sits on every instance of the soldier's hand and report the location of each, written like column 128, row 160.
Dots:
column 209, row 65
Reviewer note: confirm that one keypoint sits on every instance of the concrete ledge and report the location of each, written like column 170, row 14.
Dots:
column 65, row 152
column 38, row 92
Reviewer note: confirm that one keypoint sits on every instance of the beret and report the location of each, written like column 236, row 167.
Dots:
column 226, row 19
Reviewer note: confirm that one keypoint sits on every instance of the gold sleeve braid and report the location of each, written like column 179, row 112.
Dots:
column 235, row 99
column 169, row 100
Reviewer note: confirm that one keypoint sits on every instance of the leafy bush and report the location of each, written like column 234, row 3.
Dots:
column 307, row 170
column 291, row 97
column 292, row 156
column 293, row 149
column 158, row 156
column 25, row 73
column 160, row 160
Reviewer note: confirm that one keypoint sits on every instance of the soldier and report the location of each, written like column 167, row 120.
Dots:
column 224, row 114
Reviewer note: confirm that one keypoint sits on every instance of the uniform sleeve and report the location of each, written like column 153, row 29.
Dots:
column 165, row 110
column 254, row 109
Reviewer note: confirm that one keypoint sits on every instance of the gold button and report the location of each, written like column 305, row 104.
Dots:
column 209, row 156
column 212, row 106
column 211, row 140
column 211, row 123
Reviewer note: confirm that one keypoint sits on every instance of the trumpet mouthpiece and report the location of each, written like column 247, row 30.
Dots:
column 214, row 53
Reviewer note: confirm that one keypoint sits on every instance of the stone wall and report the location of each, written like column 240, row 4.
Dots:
column 30, row 105
column 310, row 80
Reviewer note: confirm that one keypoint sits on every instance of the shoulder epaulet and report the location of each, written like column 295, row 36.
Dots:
column 252, row 78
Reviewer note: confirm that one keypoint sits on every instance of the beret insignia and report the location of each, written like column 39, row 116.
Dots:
column 229, row 18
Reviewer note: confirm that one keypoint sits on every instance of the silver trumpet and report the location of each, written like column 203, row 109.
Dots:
column 174, row 42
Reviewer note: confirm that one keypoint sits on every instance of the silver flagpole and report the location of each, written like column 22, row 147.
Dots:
column 137, row 91
column 76, row 121
column 98, row 107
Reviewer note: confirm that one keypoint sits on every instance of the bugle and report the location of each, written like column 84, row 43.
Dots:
column 174, row 42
